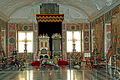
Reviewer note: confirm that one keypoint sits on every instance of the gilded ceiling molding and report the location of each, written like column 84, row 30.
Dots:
column 116, row 10
column 99, row 20
column 108, row 16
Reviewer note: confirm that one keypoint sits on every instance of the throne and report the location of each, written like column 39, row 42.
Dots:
column 56, row 44
column 44, row 46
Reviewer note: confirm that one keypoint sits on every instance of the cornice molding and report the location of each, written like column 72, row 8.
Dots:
column 103, row 11
column 21, row 20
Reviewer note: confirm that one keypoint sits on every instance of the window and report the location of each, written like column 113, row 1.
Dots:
column 74, row 37
column 25, row 38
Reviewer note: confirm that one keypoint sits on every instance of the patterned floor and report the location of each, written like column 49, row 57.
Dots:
column 53, row 74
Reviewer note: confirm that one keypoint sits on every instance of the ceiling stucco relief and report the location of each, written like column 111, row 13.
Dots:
column 87, row 7
column 30, row 12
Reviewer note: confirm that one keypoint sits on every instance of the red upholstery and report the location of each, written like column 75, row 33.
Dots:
column 103, row 63
column 35, row 63
column 62, row 63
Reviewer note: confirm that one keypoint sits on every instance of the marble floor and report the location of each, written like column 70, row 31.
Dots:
column 54, row 74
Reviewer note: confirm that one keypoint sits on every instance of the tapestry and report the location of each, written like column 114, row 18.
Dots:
column 49, row 8
column 115, row 32
column 99, row 39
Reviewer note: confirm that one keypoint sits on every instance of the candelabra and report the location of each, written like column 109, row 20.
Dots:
column 73, row 50
column 25, row 45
